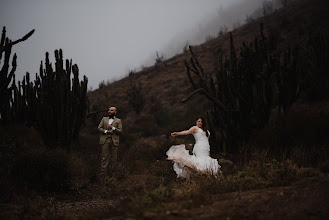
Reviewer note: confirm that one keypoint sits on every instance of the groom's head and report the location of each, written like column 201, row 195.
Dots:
column 112, row 111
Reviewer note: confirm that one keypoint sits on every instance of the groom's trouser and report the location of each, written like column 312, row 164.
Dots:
column 109, row 156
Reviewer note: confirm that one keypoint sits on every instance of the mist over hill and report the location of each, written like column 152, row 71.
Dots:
column 223, row 19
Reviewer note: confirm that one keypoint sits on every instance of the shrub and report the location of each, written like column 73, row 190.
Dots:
column 159, row 58
column 101, row 85
column 46, row 170
column 162, row 117
column 83, row 170
column 147, row 127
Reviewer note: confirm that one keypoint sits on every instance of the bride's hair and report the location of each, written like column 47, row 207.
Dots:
column 204, row 125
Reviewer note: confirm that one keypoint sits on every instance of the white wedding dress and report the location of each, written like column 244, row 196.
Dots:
column 199, row 161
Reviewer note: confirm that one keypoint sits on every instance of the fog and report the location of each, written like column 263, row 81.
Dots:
column 108, row 38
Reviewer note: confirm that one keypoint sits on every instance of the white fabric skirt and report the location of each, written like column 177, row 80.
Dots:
column 201, row 162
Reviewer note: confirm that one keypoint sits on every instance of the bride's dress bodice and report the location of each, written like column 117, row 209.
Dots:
column 201, row 147
column 200, row 136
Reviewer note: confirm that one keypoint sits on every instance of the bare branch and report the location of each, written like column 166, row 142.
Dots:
column 192, row 94
column 5, row 47
column 96, row 112
column 213, row 99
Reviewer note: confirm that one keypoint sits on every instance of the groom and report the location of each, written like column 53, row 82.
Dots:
column 110, row 128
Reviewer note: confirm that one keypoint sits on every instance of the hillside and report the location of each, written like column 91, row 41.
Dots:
column 166, row 83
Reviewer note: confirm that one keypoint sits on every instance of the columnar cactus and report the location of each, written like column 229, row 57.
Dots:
column 6, row 77
column 135, row 95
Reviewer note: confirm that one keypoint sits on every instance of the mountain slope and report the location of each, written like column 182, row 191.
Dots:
column 164, row 84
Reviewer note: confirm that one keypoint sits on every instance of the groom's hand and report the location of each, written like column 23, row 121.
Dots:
column 109, row 126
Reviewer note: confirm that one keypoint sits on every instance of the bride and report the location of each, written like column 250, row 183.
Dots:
column 200, row 160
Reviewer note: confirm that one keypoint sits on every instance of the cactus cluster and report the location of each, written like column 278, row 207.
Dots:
column 56, row 103
column 244, row 88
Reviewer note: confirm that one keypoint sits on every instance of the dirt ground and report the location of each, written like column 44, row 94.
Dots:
column 309, row 201
column 293, row 202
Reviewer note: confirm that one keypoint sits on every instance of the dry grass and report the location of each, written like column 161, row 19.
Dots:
column 256, row 172
column 144, row 182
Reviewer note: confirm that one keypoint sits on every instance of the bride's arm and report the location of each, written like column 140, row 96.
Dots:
column 186, row 132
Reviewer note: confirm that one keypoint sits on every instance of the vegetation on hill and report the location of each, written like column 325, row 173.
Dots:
column 286, row 149
column 282, row 65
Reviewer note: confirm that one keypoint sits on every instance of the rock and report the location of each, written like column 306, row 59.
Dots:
column 227, row 166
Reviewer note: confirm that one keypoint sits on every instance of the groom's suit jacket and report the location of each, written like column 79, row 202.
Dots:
column 115, row 136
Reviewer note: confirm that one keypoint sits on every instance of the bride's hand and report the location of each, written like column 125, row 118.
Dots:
column 174, row 134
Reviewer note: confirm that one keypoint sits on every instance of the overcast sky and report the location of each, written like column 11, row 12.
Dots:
column 107, row 38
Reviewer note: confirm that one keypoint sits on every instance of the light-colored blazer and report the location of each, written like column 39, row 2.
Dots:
column 103, row 126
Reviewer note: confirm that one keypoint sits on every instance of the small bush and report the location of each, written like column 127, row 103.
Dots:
column 45, row 170
column 101, row 85
column 300, row 137
column 162, row 118
column 173, row 91
column 83, row 170
column 159, row 58
column 261, row 172
column 142, row 150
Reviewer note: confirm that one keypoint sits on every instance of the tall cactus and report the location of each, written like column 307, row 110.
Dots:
column 319, row 54
column 6, row 77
